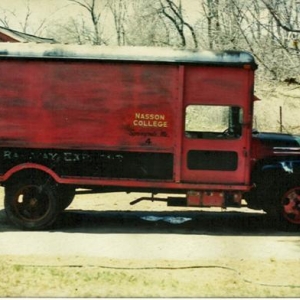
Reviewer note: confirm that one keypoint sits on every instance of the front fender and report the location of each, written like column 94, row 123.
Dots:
column 267, row 177
column 282, row 167
column 269, row 173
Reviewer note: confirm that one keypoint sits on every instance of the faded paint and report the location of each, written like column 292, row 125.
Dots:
column 73, row 98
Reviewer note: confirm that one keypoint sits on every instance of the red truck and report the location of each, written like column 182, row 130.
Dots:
column 107, row 119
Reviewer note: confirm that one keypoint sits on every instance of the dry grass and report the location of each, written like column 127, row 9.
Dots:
column 148, row 279
column 267, row 112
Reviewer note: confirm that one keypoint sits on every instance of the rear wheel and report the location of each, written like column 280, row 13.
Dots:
column 66, row 195
column 31, row 202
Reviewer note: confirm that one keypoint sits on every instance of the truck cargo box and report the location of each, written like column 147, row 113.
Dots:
column 124, row 112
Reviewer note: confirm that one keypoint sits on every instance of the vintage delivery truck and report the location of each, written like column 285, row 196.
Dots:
column 130, row 119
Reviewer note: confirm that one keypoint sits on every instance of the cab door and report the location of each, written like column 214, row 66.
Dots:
column 217, row 125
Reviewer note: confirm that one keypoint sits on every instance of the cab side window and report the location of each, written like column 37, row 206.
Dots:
column 213, row 122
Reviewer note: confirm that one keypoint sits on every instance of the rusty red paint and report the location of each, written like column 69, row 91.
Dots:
column 73, row 104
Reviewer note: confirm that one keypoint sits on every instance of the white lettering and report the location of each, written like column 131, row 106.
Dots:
column 7, row 155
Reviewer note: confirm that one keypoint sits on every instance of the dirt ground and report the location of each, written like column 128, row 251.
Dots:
column 104, row 247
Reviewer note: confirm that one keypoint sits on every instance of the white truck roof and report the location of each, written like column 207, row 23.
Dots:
column 127, row 53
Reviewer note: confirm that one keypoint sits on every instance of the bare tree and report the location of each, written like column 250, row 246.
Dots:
column 95, row 13
column 283, row 15
column 72, row 31
column 148, row 27
column 13, row 19
column 211, row 12
column 4, row 20
column 174, row 13
column 119, row 9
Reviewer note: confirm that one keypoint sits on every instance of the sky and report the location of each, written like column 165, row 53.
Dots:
column 40, row 9
column 57, row 9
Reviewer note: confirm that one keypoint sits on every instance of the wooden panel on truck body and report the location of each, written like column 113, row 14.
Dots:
column 88, row 105
column 120, row 119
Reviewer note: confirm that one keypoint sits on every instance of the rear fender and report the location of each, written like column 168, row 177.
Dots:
column 29, row 166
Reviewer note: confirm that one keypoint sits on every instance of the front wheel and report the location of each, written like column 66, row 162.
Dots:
column 31, row 202
column 284, row 203
column 290, row 205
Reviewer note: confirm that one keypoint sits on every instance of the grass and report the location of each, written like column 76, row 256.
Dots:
column 95, row 281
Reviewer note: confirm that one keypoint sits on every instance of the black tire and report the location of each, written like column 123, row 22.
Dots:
column 31, row 202
column 65, row 197
column 284, row 206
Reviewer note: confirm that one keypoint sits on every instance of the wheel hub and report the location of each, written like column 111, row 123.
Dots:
column 31, row 203
column 291, row 206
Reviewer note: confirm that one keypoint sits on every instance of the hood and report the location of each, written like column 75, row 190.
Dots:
column 278, row 140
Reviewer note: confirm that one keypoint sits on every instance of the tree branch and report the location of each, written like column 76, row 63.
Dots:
column 277, row 19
